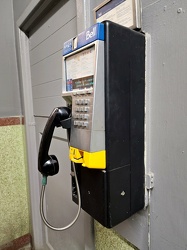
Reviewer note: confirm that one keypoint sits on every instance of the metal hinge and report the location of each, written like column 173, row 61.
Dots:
column 149, row 181
column 149, row 184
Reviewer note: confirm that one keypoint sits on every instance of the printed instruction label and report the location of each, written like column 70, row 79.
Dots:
column 80, row 69
column 118, row 11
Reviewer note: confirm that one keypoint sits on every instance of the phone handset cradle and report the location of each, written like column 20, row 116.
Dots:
column 48, row 164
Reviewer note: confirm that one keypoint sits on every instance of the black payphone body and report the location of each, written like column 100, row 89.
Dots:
column 104, row 87
column 104, row 83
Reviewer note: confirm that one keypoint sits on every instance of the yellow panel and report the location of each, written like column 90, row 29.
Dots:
column 95, row 160
column 76, row 155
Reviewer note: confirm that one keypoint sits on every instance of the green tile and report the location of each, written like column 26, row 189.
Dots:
column 14, row 213
column 108, row 239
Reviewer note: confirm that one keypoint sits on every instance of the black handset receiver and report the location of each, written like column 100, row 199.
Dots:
column 48, row 164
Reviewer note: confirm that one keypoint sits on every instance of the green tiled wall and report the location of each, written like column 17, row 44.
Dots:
column 14, row 214
column 108, row 239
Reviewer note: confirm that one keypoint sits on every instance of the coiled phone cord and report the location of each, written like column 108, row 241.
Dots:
column 44, row 182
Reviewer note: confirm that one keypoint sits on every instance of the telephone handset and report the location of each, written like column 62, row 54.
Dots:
column 48, row 164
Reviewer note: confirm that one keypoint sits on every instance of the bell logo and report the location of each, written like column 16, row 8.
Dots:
column 90, row 34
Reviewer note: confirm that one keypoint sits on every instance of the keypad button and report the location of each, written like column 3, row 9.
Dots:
column 86, row 101
column 81, row 124
column 90, row 91
column 85, row 124
column 86, row 116
column 86, row 109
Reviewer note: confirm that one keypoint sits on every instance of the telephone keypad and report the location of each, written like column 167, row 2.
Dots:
column 83, row 109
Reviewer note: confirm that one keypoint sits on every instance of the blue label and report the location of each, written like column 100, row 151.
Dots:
column 95, row 32
column 68, row 46
column 69, row 85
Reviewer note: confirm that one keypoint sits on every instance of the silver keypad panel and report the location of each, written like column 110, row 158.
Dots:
column 82, row 109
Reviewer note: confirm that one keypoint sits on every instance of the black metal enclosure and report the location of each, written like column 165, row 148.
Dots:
column 114, row 194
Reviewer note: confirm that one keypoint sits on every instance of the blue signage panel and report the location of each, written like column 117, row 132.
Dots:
column 68, row 46
column 95, row 32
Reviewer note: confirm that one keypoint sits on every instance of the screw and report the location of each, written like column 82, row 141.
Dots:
column 122, row 193
column 179, row 10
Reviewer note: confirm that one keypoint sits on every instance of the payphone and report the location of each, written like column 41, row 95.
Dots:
column 104, row 87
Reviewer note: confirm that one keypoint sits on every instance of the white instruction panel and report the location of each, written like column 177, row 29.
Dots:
column 80, row 69
column 123, row 12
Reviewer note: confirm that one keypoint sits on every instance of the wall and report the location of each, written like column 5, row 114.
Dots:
column 14, row 215
column 19, row 6
column 165, row 21
column 10, row 104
